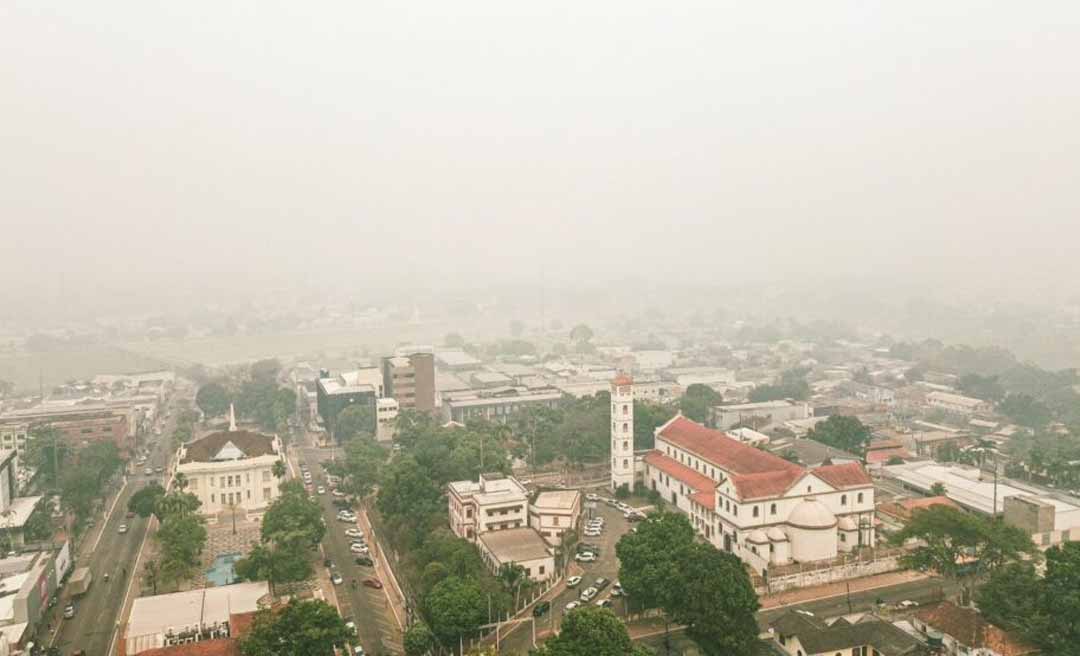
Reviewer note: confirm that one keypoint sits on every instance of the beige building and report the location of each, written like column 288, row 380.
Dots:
column 554, row 513
column 386, row 413
column 523, row 546
column 494, row 503
column 231, row 470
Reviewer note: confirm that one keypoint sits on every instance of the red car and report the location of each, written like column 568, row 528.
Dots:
column 373, row 583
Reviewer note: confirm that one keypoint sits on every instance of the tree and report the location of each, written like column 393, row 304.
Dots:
column 647, row 418
column 697, row 400
column 842, row 432
column 212, row 399
column 716, row 601
column 310, row 627
column 178, row 503
column 647, row 558
column 182, row 538
column 986, row 388
column 418, row 640
column 895, row 460
column 1011, row 597
column 265, row 371
column 359, row 470
column 151, row 574
column 1025, row 410
column 453, row 340
column 293, row 517
column 591, row 631
column 961, row 546
column 279, row 469
column 455, row 609
column 47, row 452
column 1059, row 603
column 938, row 489
column 513, row 576
column 39, row 526
column 145, row 500
column 792, row 385
column 357, row 420
column 581, row 334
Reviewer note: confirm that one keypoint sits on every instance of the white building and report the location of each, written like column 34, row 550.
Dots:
column 622, row 432
column 522, row 546
column 386, row 412
column 494, row 503
column 193, row 616
column 231, row 470
column 956, row 403
column 762, row 508
column 554, row 513
column 760, row 415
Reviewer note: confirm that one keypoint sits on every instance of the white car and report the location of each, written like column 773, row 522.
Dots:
column 592, row 497
column 573, row 581
column 359, row 549
column 351, row 626
column 585, row 557
column 346, row 518
column 122, row 529
column 572, row 605
column 69, row 611
column 336, row 579
column 588, row 594
column 321, row 490
column 337, row 493
column 354, row 533
column 592, row 533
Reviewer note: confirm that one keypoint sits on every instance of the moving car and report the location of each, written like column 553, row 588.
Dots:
column 373, row 583
column 573, row 581
column 122, row 529
column 588, row 594
column 69, row 611
column 336, row 579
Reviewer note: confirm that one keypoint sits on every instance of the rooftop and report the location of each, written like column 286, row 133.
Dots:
column 229, row 445
column 156, row 614
column 971, row 629
column 717, row 448
column 557, row 499
column 515, row 545
column 818, row 637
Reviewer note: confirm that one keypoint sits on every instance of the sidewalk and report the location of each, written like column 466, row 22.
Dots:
column 838, row 588
column 385, row 572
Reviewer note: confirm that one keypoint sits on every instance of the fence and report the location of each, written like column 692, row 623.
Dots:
column 866, row 562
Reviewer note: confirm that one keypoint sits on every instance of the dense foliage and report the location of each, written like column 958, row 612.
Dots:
column 144, row 502
column 792, row 385
column 181, row 536
column 697, row 401
column 591, row 631
column 313, row 628
column 842, row 432
column 291, row 527
column 213, row 399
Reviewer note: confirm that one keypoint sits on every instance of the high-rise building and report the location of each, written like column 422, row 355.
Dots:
column 622, row 432
column 410, row 380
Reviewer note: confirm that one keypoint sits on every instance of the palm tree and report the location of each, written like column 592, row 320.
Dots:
column 512, row 575
column 278, row 469
column 181, row 481
column 151, row 574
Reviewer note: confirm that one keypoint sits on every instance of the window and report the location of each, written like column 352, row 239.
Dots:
column 625, row 445
column 772, row 509
column 542, row 570
column 843, row 537
column 808, row 489
column 755, row 511
column 858, row 498
column 625, row 464
column 266, row 494
column 193, row 484
column 736, row 511
column 555, row 520
column 211, row 481
column 266, row 475
column 626, row 427
column 625, row 410
column 222, row 481
column 247, row 477
column 249, row 495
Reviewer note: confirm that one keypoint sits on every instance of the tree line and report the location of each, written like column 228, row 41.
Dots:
column 256, row 395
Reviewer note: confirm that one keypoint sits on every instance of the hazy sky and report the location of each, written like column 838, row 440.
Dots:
column 390, row 141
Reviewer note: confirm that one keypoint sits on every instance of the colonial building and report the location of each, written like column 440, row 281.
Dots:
column 494, row 503
column 231, row 470
column 554, row 513
column 764, row 509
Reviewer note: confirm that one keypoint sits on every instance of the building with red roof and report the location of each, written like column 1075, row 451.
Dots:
column 757, row 505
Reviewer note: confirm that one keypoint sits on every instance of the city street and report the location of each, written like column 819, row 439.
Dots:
column 377, row 629
column 106, row 550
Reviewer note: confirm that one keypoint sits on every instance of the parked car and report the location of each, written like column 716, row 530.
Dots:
column 338, row 493
column 69, row 611
column 541, row 608
column 588, row 594
column 616, row 590
column 357, row 650
column 604, row 603
column 373, row 583
column 572, row 605
column 358, row 548
column 321, row 490
column 601, row 583
column 592, row 497
column 354, row 533
column 122, row 529
column 148, row 471
column 585, row 557
column 592, row 533
column 336, row 579
column 366, row 561
column 907, row 603
column 586, row 546
column 328, row 564
column 573, row 581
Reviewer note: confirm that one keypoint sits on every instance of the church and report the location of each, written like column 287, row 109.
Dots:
column 766, row 510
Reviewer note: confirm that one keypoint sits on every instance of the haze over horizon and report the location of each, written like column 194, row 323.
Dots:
column 435, row 144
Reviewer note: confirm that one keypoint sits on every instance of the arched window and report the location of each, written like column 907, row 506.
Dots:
column 843, row 499
column 772, row 509
column 625, row 427
column 859, row 497
column 755, row 511
column 625, row 410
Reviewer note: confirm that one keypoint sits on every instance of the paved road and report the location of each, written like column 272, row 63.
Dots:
column 367, row 607
column 98, row 611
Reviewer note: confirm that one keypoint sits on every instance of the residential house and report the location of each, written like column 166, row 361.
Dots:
column 802, row 634
column 965, row 632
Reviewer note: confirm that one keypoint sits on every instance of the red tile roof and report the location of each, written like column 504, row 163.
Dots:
column 765, row 484
column 971, row 629
column 706, row 499
column 717, row 448
column 219, row 647
column 622, row 379
column 850, row 474
column 694, row 479
column 883, row 455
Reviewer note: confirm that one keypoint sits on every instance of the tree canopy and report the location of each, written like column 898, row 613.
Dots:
column 842, row 432
column 697, row 400
column 312, row 627
column 591, row 631
column 455, row 608
column 357, row 420
column 144, row 502
column 213, row 399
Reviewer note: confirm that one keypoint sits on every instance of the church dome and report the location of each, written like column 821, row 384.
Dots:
column 776, row 535
column 812, row 514
column 847, row 524
column 757, row 536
